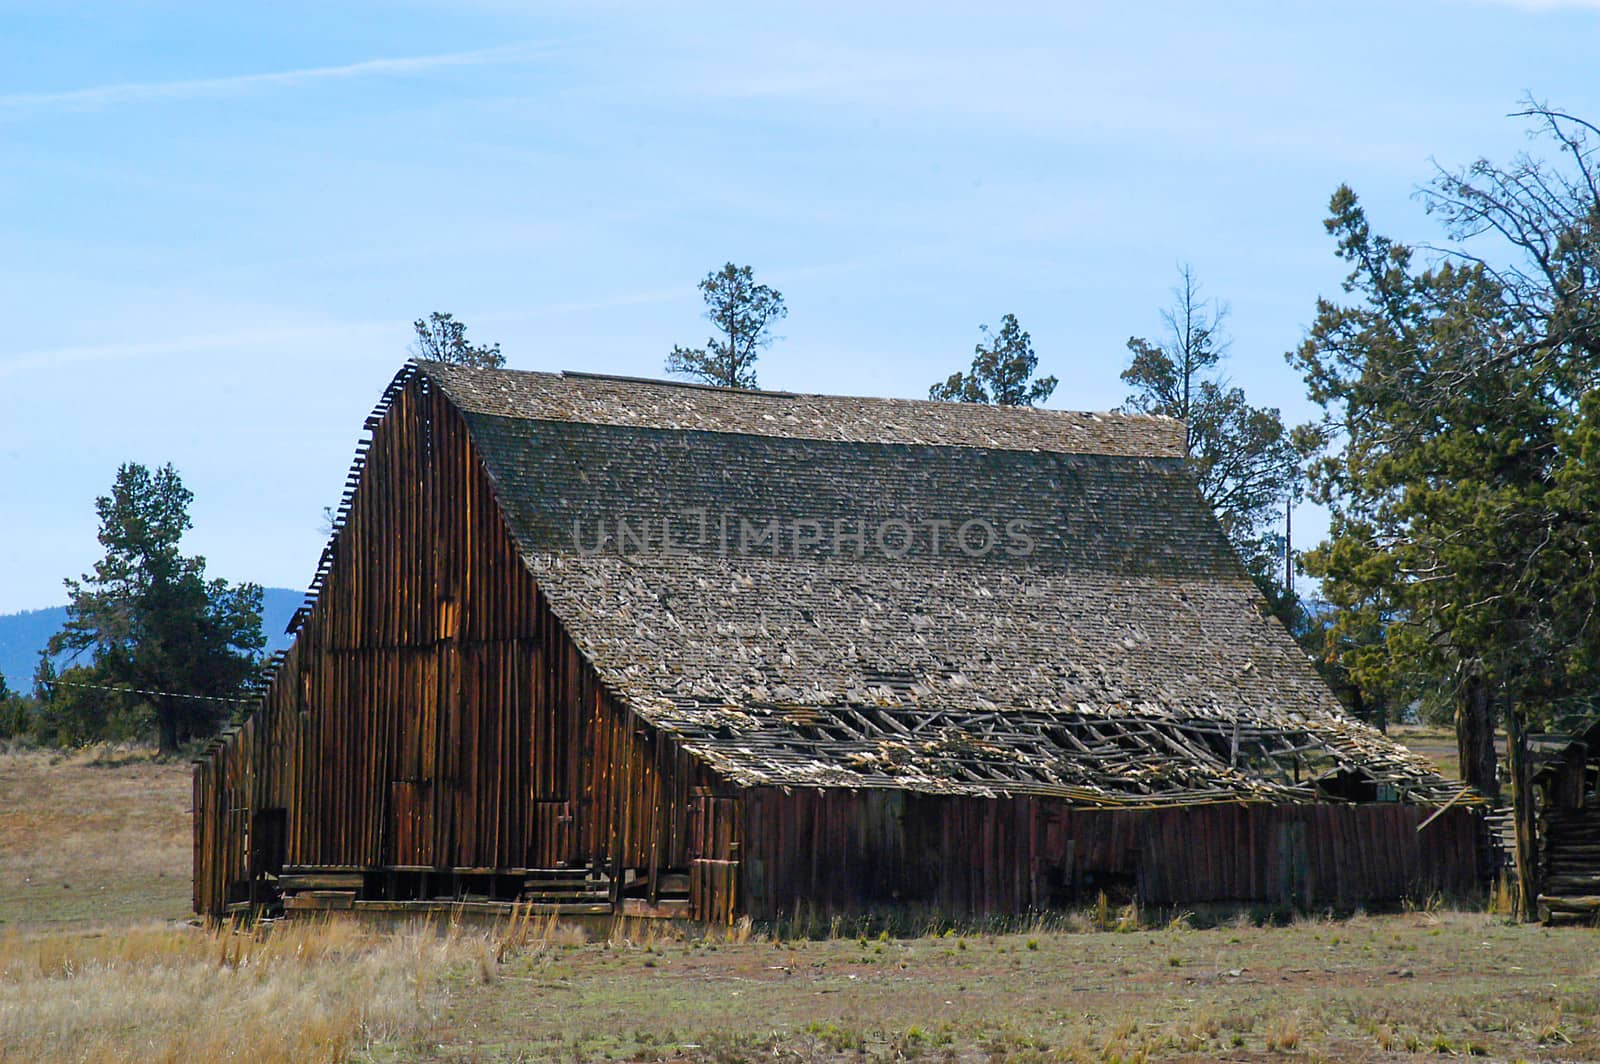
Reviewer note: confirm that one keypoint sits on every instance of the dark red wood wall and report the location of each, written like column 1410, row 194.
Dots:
column 826, row 852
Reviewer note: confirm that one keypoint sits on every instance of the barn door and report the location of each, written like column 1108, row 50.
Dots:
column 410, row 835
column 410, row 821
column 269, row 841
column 555, row 838
column 714, row 851
column 1294, row 864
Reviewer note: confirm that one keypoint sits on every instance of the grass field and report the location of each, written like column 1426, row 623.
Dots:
column 1436, row 744
column 114, row 974
column 100, row 835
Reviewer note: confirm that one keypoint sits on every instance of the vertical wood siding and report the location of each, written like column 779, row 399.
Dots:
column 839, row 852
column 432, row 712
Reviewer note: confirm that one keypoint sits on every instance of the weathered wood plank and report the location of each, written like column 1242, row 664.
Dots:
column 432, row 714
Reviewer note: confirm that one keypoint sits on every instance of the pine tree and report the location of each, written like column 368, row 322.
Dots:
column 743, row 314
column 158, row 632
column 1003, row 365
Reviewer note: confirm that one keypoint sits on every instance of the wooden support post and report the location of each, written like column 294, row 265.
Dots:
column 1523, row 813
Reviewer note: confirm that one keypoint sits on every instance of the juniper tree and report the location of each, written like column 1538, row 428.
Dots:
column 1461, row 445
column 152, row 623
column 1001, row 373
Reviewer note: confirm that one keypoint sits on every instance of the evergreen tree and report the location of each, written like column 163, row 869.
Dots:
column 1003, row 365
column 743, row 313
column 1461, row 451
column 170, row 642
column 16, row 716
column 440, row 338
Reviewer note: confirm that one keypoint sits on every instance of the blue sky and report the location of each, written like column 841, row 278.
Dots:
column 219, row 220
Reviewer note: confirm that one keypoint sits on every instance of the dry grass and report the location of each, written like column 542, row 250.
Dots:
column 312, row 992
column 1363, row 988
column 1367, row 988
column 96, row 835
column 1108, row 983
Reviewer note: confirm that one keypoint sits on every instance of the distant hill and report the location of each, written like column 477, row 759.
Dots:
column 23, row 635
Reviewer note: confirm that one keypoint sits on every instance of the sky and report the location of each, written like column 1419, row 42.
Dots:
column 218, row 221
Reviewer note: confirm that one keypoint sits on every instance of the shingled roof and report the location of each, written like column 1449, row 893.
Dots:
column 825, row 591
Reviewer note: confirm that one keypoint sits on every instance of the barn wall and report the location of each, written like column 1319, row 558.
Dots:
column 849, row 851
column 432, row 712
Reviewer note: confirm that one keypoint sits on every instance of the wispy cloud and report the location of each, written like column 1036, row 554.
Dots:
column 347, row 337
column 1061, row 89
column 1542, row 5
column 133, row 92
column 330, row 336
column 614, row 302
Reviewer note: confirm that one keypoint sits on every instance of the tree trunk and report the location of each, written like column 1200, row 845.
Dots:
column 166, row 727
column 1523, row 814
column 1375, row 712
column 1475, row 730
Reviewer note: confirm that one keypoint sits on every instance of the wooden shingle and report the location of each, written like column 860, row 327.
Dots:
column 721, row 558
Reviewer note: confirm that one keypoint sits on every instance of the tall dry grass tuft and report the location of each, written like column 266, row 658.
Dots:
column 312, row 992
column 529, row 932
column 1503, row 898
column 1284, row 1033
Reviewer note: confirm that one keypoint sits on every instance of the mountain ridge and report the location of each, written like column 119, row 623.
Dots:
column 24, row 634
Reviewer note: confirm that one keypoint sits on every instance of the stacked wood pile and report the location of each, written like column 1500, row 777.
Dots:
column 1571, row 880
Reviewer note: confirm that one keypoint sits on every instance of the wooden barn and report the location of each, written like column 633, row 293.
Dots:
column 1567, row 848
column 623, row 646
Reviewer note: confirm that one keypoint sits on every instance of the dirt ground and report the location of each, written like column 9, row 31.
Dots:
column 97, row 964
column 1364, row 988
column 93, row 835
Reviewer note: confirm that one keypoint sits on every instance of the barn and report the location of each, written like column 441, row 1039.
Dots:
column 608, row 645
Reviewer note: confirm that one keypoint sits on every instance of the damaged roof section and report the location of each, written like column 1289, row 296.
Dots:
column 832, row 592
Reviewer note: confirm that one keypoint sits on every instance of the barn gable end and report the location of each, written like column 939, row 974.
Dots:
column 432, row 712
